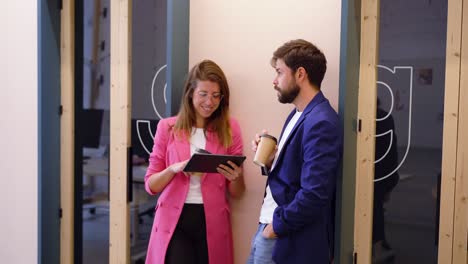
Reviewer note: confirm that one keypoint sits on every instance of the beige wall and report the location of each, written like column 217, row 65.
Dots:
column 18, row 130
column 241, row 36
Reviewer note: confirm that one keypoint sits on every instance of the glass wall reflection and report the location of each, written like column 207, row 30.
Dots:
column 411, row 79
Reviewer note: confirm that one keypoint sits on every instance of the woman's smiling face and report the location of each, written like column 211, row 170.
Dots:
column 206, row 99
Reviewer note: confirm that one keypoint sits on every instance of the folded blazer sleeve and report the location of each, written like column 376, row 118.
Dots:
column 157, row 158
column 321, row 146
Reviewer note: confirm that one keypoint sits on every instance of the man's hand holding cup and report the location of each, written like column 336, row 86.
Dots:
column 265, row 147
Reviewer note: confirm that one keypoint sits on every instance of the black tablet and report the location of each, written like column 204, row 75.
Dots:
column 202, row 162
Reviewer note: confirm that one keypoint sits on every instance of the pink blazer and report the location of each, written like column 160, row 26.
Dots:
column 167, row 150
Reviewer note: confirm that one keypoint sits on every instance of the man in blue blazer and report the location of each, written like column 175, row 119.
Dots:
column 296, row 219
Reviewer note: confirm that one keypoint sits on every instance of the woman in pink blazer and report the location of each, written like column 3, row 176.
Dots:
column 192, row 220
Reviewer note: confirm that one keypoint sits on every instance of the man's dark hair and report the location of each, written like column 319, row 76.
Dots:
column 300, row 53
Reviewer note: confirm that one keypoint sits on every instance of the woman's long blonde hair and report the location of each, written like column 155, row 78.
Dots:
column 218, row 122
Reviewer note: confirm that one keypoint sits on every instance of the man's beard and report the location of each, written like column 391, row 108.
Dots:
column 287, row 96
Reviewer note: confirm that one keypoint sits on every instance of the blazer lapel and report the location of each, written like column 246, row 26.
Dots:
column 315, row 101
column 182, row 147
column 212, row 143
column 298, row 123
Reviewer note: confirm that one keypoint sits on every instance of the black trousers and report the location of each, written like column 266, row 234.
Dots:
column 188, row 243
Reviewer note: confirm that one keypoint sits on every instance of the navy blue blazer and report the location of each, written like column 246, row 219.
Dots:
column 303, row 182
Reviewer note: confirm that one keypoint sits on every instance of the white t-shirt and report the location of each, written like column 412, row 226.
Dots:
column 269, row 205
column 194, row 195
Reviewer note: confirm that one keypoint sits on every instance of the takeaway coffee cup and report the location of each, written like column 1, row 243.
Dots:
column 265, row 148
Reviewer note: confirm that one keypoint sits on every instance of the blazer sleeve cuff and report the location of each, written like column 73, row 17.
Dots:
column 279, row 226
column 148, row 189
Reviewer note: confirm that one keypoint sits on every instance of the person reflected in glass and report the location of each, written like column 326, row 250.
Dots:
column 192, row 220
column 386, row 178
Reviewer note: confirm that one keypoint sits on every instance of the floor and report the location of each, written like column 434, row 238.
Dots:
column 411, row 210
column 96, row 237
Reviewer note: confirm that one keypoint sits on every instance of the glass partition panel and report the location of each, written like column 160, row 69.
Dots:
column 93, row 104
column 409, row 125
column 148, row 107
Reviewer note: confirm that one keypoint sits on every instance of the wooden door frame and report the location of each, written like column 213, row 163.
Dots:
column 365, row 149
column 453, row 210
column 67, row 128
column 454, row 189
column 460, row 249
column 120, row 109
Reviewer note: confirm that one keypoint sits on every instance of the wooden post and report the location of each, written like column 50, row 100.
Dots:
column 67, row 130
column 120, row 107
column 365, row 153
column 449, row 149
column 460, row 233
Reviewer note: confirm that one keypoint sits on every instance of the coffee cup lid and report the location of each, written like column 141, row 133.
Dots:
column 269, row 136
